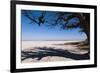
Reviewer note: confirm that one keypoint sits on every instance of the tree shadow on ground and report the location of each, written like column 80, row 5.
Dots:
column 44, row 52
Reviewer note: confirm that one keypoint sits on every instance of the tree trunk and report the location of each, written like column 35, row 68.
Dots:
column 88, row 36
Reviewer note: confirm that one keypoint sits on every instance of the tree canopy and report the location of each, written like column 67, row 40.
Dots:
column 65, row 20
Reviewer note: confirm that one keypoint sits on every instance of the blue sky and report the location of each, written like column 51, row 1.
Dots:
column 35, row 32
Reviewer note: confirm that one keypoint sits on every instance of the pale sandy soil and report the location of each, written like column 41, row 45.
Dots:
column 31, row 46
column 47, row 59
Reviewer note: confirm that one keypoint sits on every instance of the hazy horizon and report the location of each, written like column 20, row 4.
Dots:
column 55, row 40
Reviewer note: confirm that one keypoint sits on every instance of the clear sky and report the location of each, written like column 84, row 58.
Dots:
column 35, row 32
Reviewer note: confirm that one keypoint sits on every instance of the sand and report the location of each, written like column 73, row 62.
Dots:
column 32, row 46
